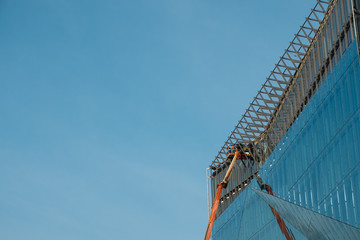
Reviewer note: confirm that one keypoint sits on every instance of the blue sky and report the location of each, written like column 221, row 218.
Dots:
column 112, row 110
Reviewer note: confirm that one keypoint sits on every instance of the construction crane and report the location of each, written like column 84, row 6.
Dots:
column 241, row 151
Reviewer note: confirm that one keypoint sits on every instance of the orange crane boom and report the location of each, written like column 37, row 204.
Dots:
column 219, row 189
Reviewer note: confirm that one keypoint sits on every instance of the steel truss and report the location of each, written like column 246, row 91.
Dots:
column 260, row 114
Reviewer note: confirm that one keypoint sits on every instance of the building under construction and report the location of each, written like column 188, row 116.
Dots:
column 291, row 167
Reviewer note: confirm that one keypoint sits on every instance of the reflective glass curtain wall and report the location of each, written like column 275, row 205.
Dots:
column 315, row 165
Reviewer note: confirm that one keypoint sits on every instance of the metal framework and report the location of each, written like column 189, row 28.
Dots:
column 260, row 114
column 316, row 47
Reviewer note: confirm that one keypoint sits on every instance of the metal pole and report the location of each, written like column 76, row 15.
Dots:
column 208, row 192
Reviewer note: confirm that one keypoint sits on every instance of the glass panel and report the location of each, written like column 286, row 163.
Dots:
column 311, row 224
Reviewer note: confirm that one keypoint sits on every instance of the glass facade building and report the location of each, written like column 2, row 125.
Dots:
column 314, row 168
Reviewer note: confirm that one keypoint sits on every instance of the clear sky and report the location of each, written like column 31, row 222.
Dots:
column 111, row 110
